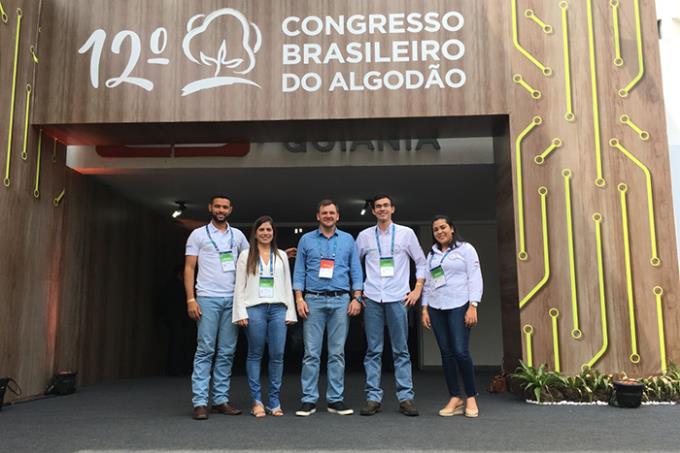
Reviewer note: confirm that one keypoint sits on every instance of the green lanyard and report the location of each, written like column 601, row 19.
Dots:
column 377, row 240
column 271, row 264
column 231, row 240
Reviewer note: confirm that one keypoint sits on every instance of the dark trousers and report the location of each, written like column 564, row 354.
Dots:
column 453, row 338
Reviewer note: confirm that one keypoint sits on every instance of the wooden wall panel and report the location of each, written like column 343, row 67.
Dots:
column 75, row 100
column 644, row 105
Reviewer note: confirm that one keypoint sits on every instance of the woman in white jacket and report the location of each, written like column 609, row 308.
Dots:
column 453, row 289
column 263, row 304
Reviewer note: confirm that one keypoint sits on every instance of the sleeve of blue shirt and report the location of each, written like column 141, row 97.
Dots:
column 299, row 273
column 355, row 272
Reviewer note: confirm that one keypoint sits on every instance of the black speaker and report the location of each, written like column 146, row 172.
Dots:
column 626, row 394
column 62, row 383
column 3, row 388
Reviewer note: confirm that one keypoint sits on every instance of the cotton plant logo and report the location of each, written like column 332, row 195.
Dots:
column 218, row 57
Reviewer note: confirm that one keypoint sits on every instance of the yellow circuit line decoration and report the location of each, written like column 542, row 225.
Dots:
column 658, row 292
column 34, row 55
column 599, row 181
column 535, row 121
column 543, row 192
column 3, row 14
column 618, row 60
column 36, row 190
column 634, row 356
column 515, row 39
column 24, row 150
column 655, row 261
column 625, row 119
column 519, row 80
column 528, row 333
column 554, row 314
column 576, row 332
column 597, row 218
column 8, row 162
column 569, row 115
column 57, row 200
column 529, row 14
column 540, row 158
column 623, row 92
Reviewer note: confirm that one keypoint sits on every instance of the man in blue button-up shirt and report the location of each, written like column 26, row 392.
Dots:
column 327, row 269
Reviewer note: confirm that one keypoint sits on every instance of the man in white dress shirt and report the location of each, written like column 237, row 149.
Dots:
column 387, row 249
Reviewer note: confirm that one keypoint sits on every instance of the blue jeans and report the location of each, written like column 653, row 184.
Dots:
column 376, row 315
column 217, row 338
column 453, row 338
column 325, row 313
column 266, row 324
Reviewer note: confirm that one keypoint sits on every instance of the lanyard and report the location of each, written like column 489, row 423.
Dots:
column 231, row 240
column 443, row 257
column 335, row 247
column 377, row 240
column 271, row 264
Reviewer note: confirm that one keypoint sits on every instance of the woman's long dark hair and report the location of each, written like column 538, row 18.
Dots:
column 457, row 238
column 254, row 255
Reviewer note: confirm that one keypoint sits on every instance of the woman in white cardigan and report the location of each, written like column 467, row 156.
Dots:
column 263, row 304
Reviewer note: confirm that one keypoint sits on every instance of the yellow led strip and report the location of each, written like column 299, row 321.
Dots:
column 36, row 190
column 597, row 218
column 618, row 60
column 625, row 119
column 654, row 260
column 24, row 151
column 34, row 55
column 543, row 192
column 540, row 158
column 515, row 39
column 623, row 92
column 537, row 120
column 554, row 314
column 576, row 330
column 634, row 356
column 528, row 333
column 58, row 198
column 599, row 181
column 519, row 80
column 3, row 14
column 658, row 292
column 8, row 162
column 529, row 14
column 569, row 115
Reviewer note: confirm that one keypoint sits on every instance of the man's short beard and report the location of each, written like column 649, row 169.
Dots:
column 214, row 217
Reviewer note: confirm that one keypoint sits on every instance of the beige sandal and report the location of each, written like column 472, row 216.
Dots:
column 258, row 411
column 276, row 412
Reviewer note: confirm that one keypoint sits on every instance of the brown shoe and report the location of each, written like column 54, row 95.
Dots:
column 200, row 413
column 226, row 409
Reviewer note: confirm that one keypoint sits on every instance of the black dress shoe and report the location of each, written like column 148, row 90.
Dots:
column 407, row 408
column 200, row 413
column 226, row 409
column 371, row 408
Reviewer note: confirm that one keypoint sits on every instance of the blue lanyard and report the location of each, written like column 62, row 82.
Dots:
column 271, row 264
column 443, row 257
column 231, row 240
column 335, row 247
column 377, row 241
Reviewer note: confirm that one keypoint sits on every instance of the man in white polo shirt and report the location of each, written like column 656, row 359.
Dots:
column 387, row 248
column 215, row 247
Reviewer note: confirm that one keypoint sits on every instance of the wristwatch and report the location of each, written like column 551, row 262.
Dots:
column 474, row 304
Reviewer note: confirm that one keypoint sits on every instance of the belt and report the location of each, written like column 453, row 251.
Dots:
column 327, row 293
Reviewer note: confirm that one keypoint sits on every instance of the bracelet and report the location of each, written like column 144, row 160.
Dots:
column 191, row 300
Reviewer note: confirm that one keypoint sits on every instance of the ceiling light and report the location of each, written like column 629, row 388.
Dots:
column 181, row 207
column 367, row 205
